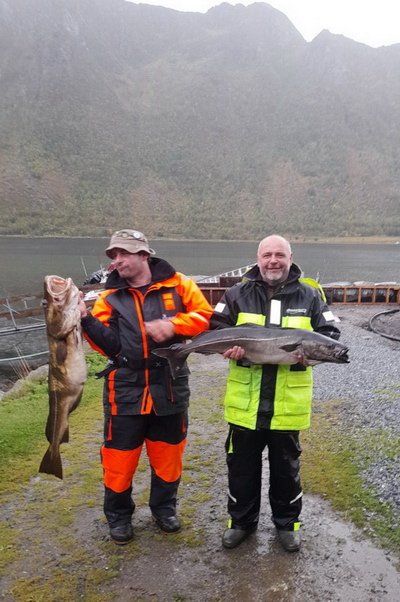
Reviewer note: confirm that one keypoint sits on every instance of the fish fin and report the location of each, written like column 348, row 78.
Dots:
column 51, row 464
column 175, row 355
column 290, row 347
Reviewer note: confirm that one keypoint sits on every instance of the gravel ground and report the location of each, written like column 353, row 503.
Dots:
column 370, row 390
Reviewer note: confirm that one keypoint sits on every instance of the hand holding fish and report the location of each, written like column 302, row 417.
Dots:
column 234, row 353
column 82, row 305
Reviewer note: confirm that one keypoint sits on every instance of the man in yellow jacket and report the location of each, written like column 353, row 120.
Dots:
column 267, row 406
column 146, row 304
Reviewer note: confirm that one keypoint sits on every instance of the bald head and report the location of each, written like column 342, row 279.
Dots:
column 274, row 239
column 274, row 258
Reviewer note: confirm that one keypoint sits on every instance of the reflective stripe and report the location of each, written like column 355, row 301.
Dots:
column 296, row 526
column 247, row 318
column 296, row 498
column 230, row 449
column 231, row 497
column 303, row 322
column 199, row 316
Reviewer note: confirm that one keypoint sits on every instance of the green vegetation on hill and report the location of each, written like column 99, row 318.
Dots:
column 220, row 125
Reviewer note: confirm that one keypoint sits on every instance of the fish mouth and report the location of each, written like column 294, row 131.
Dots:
column 342, row 356
column 57, row 287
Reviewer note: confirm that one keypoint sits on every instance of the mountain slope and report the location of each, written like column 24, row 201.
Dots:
column 226, row 124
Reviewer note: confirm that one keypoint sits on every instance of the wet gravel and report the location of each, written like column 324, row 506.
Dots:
column 370, row 390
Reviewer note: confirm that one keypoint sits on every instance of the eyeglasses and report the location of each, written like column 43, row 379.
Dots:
column 135, row 234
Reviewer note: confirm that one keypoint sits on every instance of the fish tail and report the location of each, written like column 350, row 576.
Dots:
column 51, row 463
column 175, row 355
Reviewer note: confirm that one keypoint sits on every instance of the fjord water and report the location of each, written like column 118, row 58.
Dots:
column 25, row 261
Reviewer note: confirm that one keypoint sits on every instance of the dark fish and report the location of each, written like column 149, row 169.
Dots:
column 262, row 346
column 67, row 366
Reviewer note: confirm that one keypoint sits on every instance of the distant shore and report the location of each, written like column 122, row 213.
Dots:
column 369, row 240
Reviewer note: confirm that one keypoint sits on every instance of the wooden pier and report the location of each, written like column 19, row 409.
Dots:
column 17, row 308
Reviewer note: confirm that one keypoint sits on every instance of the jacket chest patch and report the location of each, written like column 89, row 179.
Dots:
column 275, row 312
column 168, row 301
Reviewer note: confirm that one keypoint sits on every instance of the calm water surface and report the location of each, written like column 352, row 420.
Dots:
column 25, row 261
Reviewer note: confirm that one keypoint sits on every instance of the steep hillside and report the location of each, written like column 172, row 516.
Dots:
column 226, row 124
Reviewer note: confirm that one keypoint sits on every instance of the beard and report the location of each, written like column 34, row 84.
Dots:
column 274, row 277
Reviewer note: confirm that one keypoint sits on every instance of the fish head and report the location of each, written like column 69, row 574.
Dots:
column 323, row 349
column 60, row 304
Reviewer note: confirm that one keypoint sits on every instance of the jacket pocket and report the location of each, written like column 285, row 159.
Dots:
column 125, row 386
column 238, row 388
column 300, row 378
column 298, row 394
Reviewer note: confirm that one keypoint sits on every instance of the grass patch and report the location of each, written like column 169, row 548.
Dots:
column 23, row 417
column 55, row 589
column 332, row 465
column 8, row 550
column 52, row 505
column 389, row 393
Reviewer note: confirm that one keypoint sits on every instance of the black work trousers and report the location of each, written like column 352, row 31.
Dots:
column 124, row 437
column 244, row 449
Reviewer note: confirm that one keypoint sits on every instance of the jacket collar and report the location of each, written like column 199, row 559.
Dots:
column 293, row 277
column 160, row 270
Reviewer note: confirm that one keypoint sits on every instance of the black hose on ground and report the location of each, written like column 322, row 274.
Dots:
column 382, row 334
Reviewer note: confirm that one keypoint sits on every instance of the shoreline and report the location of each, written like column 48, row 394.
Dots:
column 339, row 240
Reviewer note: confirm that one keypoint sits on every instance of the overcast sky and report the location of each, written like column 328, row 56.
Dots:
column 373, row 22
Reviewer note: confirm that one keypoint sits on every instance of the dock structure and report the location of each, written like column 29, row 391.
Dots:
column 21, row 316
column 335, row 294
column 25, row 312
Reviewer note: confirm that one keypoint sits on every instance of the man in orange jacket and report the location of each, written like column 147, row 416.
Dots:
column 146, row 304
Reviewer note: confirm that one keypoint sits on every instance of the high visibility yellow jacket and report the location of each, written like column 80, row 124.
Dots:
column 270, row 396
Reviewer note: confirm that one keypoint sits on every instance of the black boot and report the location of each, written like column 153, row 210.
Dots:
column 290, row 540
column 234, row 537
column 121, row 534
column 169, row 524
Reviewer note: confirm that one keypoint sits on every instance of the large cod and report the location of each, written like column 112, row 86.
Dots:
column 67, row 366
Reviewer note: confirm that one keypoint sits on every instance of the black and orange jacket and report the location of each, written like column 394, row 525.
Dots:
column 136, row 381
